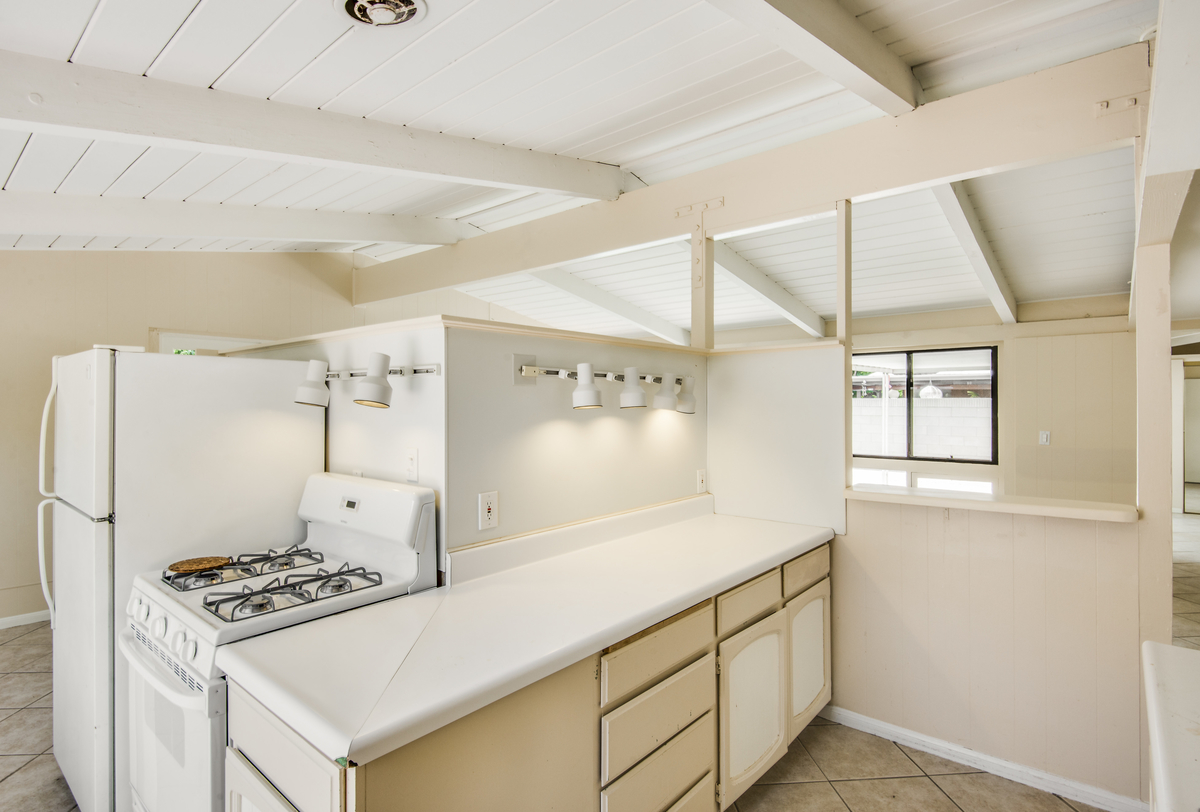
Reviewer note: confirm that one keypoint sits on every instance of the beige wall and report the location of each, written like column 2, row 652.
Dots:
column 57, row 303
column 1016, row 636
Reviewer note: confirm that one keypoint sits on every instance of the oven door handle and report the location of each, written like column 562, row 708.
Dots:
column 139, row 661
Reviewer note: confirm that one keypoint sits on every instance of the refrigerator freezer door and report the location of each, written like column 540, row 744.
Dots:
column 83, row 419
column 211, row 458
column 83, row 656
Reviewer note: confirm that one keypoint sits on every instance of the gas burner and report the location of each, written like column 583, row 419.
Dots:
column 274, row 597
column 335, row 586
column 202, row 579
column 255, row 605
column 276, row 561
column 279, row 562
column 183, row 581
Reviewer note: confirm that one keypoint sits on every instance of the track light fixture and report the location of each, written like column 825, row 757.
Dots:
column 373, row 389
column 665, row 398
column 687, row 397
column 586, row 394
column 314, row 391
column 633, row 396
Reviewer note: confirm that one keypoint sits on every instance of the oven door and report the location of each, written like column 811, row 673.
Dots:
column 177, row 731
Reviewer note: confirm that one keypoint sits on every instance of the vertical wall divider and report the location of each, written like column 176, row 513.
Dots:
column 845, row 338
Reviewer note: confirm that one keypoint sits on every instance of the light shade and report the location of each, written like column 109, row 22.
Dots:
column 687, row 397
column 313, row 391
column 586, row 394
column 633, row 396
column 665, row 399
column 374, row 389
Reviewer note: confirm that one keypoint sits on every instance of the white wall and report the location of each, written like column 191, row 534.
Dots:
column 776, row 437
column 551, row 464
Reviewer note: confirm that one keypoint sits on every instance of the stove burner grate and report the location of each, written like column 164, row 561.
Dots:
column 185, row 581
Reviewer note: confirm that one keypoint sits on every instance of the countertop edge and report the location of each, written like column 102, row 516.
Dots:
column 1021, row 505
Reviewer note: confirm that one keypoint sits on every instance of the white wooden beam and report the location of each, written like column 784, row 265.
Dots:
column 845, row 323
column 751, row 278
column 44, row 213
column 587, row 292
column 703, row 268
column 1045, row 116
column 823, row 35
column 963, row 220
column 50, row 96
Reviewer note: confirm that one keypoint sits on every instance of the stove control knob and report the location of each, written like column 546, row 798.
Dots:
column 143, row 612
column 159, row 627
column 177, row 640
column 189, row 650
column 134, row 605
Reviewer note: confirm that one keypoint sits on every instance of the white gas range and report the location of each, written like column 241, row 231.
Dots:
column 368, row 540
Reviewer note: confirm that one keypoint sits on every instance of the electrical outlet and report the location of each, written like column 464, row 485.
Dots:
column 701, row 481
column 1043, row 438
column 489, row 515
column 410, row 465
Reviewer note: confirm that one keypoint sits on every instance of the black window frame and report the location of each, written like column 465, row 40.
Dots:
column 908, row 398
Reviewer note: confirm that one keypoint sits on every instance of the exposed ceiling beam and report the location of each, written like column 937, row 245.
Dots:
column 1045, row 116
column 587, row 292
column 44, row 213
column 828, row 38
column 752, row 279
column 46, row 95
column 961, row 216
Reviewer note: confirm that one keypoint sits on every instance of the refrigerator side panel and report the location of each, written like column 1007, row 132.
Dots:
column 83, row 656
column 83, row 419
column 211, row 457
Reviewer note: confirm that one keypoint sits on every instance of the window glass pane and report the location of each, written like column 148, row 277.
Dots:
column 879, row 409
column 878, row 476
column 952, row 405
column 941, row 484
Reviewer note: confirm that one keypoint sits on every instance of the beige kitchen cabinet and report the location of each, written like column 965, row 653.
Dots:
column 810, row 682
column 246, row 790
column 753, row 704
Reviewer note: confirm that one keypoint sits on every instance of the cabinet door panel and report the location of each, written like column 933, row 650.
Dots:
column 810, row 677
column 753, row 704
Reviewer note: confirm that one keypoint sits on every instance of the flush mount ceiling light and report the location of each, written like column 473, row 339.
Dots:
column 665, row 399
column 687, row 397
column 373, row 389
column 586, row 394
column 382, row 13
column 633, row 396
column 314, row 392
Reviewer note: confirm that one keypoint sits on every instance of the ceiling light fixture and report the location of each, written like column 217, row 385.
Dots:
column 314, row 391
column 380, row 13
column 586, row 394
column 633, row 396
column 665, row 399
column 687, row 397
column 373, row 389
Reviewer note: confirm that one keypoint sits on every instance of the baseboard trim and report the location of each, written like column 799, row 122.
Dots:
column 22, row 620
column 1075, row 790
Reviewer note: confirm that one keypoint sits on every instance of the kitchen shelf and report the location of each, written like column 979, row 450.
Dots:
column 1022, row 505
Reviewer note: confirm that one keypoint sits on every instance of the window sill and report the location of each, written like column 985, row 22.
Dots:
column 1022, row 505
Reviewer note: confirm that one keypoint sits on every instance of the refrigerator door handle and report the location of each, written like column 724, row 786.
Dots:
column 41, row 541
column 42, row 442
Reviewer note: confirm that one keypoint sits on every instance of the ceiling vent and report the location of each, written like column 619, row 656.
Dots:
column 383, row 13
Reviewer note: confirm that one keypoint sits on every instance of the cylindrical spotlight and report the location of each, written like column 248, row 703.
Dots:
column 665, row 398
column 586, row 394
column 633, row 396
column 687, row 397
column 313, row 391
column 374, row 390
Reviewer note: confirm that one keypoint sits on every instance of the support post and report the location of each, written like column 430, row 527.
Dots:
column 703, row 276
column 844, row 311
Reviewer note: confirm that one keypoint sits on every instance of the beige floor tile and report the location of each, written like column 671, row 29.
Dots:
column 1185, row 569
column 820, row 720
column 19, row 631
column 894, row 795
column 935, row 765
column 815, row 797
column 14, row 658
column 1184, row 586
column 10, row 764
column 19, row 690
column 1080, row 806
column 27, row 732
column 1185, row 626
column 38, row 785
column 844, row 753
column 1186, row 642
column 44, row 665
column 42, row 635
column 796, row 766
column 46, row 701
column 1182, row 606
column 984, row 792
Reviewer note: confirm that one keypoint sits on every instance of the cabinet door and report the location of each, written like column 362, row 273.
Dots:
column 809, row 676
column 753, row 704
column 247, row 791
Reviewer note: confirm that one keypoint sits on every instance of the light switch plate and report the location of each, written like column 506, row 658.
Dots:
column 1043, row 438
column 411, row 470
column 489, row 515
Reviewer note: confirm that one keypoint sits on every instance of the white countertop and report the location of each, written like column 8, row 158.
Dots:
column 995, row 503
column 1172, row 676
column 365, row 682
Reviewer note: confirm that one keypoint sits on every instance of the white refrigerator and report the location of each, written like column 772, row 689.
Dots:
column 157, row 458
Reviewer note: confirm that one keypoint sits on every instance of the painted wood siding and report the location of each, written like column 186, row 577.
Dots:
column 1016, row 636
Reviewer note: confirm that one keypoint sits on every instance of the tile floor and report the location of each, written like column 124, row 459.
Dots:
column 29, row 775
column 1185, row 623
column 832, row 768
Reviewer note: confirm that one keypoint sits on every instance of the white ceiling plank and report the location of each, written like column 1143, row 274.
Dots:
column 71, row 242
column 961, row 216
column 193, row 176
column 31, row 242
column 38, row 213
column 216, row 34
column 12, row 144
column 587, row 292
column 31, row 28
column 65, row 99
column 45, row 162
column 128, row 34
column 151, row 168
column 102, row 164
column 237, row 179
column 822, row 34
column 779, row 299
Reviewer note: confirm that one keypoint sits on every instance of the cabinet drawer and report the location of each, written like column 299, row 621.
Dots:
column 801, row 573
column 654, row 784
column 700, row 798
column 311, row 782
column 747, row 601
column 246, row 790
column 632, row 731
column 655, row 652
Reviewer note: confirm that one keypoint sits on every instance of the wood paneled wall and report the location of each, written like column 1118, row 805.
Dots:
column 1082, row 389
column 1016, row 636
